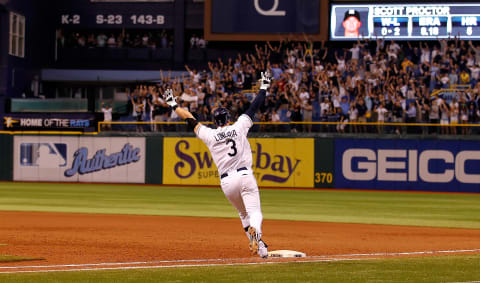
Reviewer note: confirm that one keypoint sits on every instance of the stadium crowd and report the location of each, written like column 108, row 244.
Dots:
column 123, row 39
column 115, row 39
column 373, row 81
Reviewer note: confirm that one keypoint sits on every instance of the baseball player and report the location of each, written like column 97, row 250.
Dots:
column 232, row 154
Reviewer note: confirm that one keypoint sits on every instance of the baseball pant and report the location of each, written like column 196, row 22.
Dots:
column 240, row 188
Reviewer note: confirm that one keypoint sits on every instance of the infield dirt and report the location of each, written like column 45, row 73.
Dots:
column 68, row 238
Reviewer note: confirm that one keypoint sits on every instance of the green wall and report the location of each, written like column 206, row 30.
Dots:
column 154, row 160
column 6, row 159
column 324, row 163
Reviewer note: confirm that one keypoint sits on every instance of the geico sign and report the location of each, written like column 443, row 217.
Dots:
column 378, row 164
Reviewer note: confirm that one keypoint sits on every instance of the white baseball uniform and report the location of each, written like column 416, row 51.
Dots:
column 232, row 154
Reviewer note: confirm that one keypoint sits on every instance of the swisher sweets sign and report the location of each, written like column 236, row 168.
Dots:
column 276, row 162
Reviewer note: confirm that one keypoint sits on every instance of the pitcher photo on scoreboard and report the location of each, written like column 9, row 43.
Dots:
column 350, row 22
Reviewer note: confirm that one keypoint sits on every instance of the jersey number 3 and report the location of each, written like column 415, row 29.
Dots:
column 234, row 148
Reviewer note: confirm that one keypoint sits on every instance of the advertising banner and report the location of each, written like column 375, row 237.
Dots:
column 48, row 121
column 276, row 162
column 423, row 165
column 79, row 159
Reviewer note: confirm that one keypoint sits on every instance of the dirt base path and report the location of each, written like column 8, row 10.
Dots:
column 63, row 238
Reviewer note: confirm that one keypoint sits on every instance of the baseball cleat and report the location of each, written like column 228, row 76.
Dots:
column 262, row 249
column 253, row 240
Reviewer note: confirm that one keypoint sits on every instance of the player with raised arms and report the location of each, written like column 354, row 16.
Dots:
column 232, row 154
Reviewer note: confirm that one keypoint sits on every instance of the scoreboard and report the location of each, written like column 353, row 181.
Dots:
column 115, row 14
column 405, row 21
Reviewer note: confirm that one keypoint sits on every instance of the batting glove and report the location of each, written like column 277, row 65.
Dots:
column 266, row 80
column 170, row 99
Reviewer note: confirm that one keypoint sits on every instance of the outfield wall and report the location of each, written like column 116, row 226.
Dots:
column 6, row 157
column 343, row 163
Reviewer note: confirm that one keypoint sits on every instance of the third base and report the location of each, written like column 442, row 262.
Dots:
column 286, row 253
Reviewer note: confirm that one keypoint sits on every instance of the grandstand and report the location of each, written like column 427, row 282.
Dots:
column 97, row 53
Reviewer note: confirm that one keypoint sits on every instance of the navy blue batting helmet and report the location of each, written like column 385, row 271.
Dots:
column 221, row 117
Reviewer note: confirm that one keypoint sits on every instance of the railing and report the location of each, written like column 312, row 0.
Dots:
column 307, row 127
column 452, row 88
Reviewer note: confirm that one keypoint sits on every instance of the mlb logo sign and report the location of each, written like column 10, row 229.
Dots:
column 86, row 159
column 43, row 155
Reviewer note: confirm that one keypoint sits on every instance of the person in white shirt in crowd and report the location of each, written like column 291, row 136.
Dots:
column 454, row 111
column 425, row 54
column 145, row 39
column 190, row 98
column 411, row 116
column 275, row 119
column 470, row 60
column 444, row 116
column 381, row 113
column 107, row 116
column 200, row 94
column 453, row 77
column 325, row 107
column 318, row 66
column 474, row 73
column 304, row 96
column 112, row 42
column 464, row 118
column 160, row 111
column 435, row 52
column 445, row 80
column 434, row 115
column 340, row 62
column 101, row 39
column 194, row 74
column 194, row 41
column 307, row 115
column 355, row 50
column 202, row 43
column 353, row 116
column 394, row 47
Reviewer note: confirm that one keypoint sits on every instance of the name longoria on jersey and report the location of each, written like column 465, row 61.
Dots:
column 229, row 145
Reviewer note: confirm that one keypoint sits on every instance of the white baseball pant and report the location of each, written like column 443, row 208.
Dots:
column 240, row 188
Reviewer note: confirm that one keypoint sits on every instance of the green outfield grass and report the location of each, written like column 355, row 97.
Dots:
column 431, row 269
column 396, row 208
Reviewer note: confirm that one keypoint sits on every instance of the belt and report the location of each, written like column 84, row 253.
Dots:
column 238, row 170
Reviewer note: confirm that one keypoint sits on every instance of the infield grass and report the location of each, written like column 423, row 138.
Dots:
column 395, row 208
column 424, row 269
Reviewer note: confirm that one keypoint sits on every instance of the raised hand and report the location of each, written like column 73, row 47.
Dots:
column 169, row 98
column 266, row 80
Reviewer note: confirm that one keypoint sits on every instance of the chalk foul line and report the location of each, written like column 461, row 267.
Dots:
column 210, row 262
